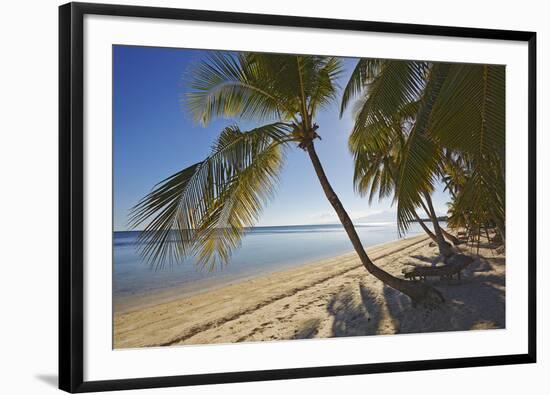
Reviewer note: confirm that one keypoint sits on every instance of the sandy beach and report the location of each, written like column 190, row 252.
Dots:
column 329, row 298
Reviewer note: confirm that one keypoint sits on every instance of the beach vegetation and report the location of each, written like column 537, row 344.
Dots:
column 416, row 123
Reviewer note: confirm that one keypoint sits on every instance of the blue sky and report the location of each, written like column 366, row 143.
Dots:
column 154, row 137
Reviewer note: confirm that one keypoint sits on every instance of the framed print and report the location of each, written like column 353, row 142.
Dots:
column 258, row 197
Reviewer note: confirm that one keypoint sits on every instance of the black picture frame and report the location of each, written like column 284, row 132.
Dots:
column 71, row 223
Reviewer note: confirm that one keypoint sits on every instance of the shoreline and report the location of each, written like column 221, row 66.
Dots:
column 327, row 298
column 126, row 304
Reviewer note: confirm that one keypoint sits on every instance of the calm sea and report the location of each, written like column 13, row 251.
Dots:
column 263, row 250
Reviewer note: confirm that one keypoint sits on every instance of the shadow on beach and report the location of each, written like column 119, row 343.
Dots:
column 475, row 302
column 350, row 316
column 354, row 319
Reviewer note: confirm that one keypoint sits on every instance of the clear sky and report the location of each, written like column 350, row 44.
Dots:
column 154, row 137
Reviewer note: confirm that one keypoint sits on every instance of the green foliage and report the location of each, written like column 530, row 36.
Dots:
column 363, row 74
column 452, row 125
column 261, row 87
column 477, row 133
column 376, row 157
column 205, row 209
column 420, row 162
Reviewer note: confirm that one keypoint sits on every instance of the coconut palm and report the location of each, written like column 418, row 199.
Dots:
column 204, row 210
column 377, row 151
column 471, row 123
column 375, row 127
column 453, row 109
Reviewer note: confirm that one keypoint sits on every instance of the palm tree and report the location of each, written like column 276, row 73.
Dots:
column 460, row 171
column 205, row 209
column 454, row 109
column 377, row 150
column 376, row 133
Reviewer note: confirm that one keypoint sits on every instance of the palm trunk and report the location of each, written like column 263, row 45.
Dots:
column 418, row 292
column 426, row 229
column 450, row 237
column 444, row 247
column 446, row 234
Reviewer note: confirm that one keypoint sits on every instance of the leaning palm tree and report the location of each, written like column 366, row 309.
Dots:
column 456, row 108
column 205, row 209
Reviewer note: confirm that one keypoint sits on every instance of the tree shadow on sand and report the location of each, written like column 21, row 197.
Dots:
column 475, row 302
column 308, row 330
column 354, row 314
column 353, row 317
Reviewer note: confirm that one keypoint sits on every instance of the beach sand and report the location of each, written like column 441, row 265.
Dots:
column 330, row 298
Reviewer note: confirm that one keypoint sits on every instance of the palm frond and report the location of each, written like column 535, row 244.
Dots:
column 323, row 77
column 231, row 85
column 420, row 163
column 377, row 149
column 375, row 153
column 205, row 209
column 452, row 119
column 469, row 117
column 364, row 72
column 398, row 84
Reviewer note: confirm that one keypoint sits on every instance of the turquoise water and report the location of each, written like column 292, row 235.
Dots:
column 263, row 250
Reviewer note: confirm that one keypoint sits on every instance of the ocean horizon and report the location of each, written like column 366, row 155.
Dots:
column 264, row 249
